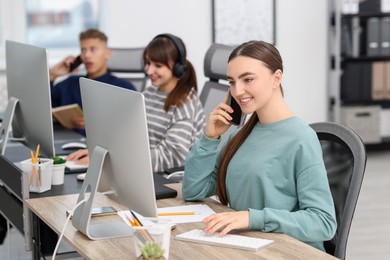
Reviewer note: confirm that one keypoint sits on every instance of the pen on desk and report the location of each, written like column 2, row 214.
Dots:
column 184, row 213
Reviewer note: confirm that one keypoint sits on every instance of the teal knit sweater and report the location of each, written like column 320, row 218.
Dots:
column 278, row 174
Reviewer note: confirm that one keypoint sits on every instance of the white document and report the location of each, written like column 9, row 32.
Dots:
column 200, row 211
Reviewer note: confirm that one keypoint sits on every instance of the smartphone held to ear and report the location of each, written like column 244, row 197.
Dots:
column 237, row 113
column 77, row 62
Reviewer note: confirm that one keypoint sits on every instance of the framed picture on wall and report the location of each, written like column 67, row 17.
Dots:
column 235, row 22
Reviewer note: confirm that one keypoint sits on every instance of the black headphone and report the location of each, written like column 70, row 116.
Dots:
column 179, row 68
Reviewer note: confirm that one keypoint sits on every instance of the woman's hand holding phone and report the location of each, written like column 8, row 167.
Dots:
column 237, row 113
column 220, row 119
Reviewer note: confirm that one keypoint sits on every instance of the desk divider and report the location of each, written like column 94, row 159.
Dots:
column 14, row 189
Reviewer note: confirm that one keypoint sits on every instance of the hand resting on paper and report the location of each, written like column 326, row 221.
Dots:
column 226, row 220
column 79, row 157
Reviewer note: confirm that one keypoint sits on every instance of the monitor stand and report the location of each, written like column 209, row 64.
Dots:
column 82, row 215
column 5, row 127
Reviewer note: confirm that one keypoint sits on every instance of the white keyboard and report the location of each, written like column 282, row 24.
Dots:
column 232, row 241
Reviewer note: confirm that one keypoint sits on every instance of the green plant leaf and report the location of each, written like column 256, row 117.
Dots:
column 58, row 160
column 152, row 251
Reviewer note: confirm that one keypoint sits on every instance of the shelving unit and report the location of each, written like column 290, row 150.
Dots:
column 356, row 71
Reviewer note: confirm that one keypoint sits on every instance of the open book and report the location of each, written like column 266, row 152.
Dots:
column 65, row 114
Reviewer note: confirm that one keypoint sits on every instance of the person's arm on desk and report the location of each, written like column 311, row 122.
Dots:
column 80, row 156
column 202, row 162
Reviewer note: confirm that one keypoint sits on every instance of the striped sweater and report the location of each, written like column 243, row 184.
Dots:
column 172, row 133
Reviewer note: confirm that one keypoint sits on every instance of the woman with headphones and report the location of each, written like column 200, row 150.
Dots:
column 175, row 114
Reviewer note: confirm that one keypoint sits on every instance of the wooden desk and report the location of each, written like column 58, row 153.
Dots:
column 52, row 211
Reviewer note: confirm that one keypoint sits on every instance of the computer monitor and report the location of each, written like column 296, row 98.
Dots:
column 118, row 142
column 29, row 108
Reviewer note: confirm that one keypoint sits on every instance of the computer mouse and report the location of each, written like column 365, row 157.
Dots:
column 73, row 145
column 81, row 176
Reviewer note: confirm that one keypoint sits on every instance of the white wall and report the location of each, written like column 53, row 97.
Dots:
column 302, row 39
column 134, row 23
column 301, row 36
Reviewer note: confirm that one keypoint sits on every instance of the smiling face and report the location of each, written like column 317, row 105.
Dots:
column 94, row 54
column 160, row 75
column 252, row 84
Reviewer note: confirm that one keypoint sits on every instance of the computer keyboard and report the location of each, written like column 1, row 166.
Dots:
column 228, row 240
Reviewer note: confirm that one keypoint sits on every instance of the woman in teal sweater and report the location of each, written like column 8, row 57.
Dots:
column 271, row 171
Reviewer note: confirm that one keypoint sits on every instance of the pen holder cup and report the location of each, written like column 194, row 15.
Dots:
column 39, row 174
column 152, row 242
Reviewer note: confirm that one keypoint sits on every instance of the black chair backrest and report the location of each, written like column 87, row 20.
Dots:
column 215, row 89
column 345, row 159
column 128, row 64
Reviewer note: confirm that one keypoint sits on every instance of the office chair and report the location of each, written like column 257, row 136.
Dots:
column 127, row 63
column 345, row 161
column 215, row 89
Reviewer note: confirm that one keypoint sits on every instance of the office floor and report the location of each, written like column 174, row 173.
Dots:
column 370, row 233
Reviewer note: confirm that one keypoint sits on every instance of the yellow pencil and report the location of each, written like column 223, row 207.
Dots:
column 145, row 233
column 130, row 220
column 36, row 161
column 33, row 170
column 184, row 213
column 37, row 151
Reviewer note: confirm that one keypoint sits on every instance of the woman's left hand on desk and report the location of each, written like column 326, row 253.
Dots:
column 228, row 221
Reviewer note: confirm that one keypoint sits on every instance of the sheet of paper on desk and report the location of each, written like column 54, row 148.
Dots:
column 201, row 211
column 126, row 215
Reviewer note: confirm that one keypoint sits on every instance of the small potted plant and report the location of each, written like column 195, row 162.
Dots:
column 58, row 170
column 152, row 251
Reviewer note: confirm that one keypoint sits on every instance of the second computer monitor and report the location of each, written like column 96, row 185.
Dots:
column 28, row 82
column 115, row 119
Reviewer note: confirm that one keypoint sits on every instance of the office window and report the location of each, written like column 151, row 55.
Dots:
column 57, row 24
